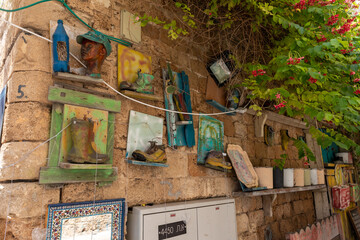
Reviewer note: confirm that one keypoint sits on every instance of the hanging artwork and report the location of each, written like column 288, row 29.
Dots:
column 86, row 220
column 2, row 107
column 144, row 142
column 211, row 137
column 129, row 64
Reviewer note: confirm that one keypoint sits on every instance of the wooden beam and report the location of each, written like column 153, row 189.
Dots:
column 279, row 191
column 66, row 96
column 281, row 119
column 77, row 78
column 133, row 94
column 268, row 201
column 259, row 125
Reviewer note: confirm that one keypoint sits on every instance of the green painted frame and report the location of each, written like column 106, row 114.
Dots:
column 52, row 173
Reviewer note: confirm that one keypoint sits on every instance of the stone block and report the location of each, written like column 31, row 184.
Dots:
column 198, row 67
column 308, row 205
column 151, row 30
column 178, row 165
column 242, row 221
column 26, row 200
column 292, row 152
column 29, row 166
column 260, row 150
column 21, row 228
column 219, row 186
column 261, row 232
column 29, row 86
column 229, row 126
column 286, row 226
column 251, row 132
column 235, row 140
column 287, row 210
column 119, row 162
column 120, row 135
column 248, row 119
column 194, row 169
column 248, row 236
column 140, row 191
column 240, row 130
column 249, row 148
column 245, row 204
column 278, row 212
column 256, row 217
column 275, row 229
column 26, row 122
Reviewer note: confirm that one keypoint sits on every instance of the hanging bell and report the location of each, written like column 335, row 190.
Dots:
column 60, row 49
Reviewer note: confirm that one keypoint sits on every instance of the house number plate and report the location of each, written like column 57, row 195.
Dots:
column 172, row 230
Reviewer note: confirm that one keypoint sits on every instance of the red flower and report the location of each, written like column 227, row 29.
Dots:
column 357, row 80
column 292, row 78
column 354, row 62
column 357, row 92
column 312, row 80
column 280, row 105
column 254, row 73
column 352, row 73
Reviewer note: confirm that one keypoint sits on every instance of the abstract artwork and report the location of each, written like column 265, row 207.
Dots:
column 2, row 106
column 211, row 137
column 101, row 220
column 242, row 166
column 143, row 128
column 130, row 62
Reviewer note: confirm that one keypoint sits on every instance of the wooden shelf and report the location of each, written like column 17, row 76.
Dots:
column 279, row 191
column 77, row 78
column 85, row 166
column 150, row 164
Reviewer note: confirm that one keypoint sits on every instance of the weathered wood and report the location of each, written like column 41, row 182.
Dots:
column 353, row 215
column 279, row 191
column 268, row 201
column 259, row 125
column 56, row 122
column 219, row 106
column 67, row 165
column 281, row 119
column 180, row 123
column 66, row 96
column 81, row 89
column 110, row 137
column 150, row 164
column 322, row 208
column 133, row 94
column 51, row 175
column 77, row 78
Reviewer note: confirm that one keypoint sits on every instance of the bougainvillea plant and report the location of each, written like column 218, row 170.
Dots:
column 314, row 70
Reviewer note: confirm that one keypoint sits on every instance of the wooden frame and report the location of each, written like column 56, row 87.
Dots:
column 70, row 220
column 354, row 215
column 56, row 172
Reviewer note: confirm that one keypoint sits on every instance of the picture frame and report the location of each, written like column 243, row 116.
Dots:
column 100, row 219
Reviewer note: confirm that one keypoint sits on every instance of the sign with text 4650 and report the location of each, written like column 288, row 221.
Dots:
column 172, row 230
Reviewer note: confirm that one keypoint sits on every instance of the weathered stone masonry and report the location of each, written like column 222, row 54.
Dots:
column 25, row 60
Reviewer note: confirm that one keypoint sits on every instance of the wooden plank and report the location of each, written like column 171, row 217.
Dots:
column 66, row 96
column 52, row 175
column 150, row 164
column 354, row 216
column 81, row 89
column 329, row 172
column 281, row 119
column 67, row 165
column 322, row 208
column 183, row 123
column 259, row 125
column 268, row 201
column 219, row 107
column 56, row 123
column 133, row 94
column 110, row 137
column 279, row 191
column 77, row 78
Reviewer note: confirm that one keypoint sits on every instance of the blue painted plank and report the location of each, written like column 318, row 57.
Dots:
column 146, row 163
column 245, row 189
column 189, row 129
column 219, row 107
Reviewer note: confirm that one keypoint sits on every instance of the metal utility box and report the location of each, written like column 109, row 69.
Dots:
column 209, row 219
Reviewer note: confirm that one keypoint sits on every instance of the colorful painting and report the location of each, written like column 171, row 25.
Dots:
column 2, row 107
column 130, row 62
column 143, row 128
column 328, row 228
column 211, row 137
column 100, row 120
column 242, row 165
column 103, row 220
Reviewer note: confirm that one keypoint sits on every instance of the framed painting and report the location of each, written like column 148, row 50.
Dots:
column 243, row 168
column 211, row 137
column 103, row 220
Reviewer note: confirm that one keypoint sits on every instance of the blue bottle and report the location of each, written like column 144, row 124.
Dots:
column 60, row 49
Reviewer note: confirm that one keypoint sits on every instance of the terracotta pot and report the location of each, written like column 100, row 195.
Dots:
column 307, row 177
column 299, row 180
column 321, row 176
column 288, row 177
column 278, row 177
column 313, row 175
column 265, row 175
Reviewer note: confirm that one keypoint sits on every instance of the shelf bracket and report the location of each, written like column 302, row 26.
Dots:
column 259, row 125
column 268, row 201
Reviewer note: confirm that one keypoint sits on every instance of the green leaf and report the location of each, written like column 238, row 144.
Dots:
column 320, row 116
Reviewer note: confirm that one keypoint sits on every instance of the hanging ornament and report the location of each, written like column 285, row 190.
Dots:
column 60, row 49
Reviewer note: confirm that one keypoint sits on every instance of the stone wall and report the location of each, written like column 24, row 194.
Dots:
column 25, row 60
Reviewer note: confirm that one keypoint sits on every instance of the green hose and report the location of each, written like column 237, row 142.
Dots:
column 123, row 42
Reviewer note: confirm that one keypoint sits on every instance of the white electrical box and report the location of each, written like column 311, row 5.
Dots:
column 129, row 29
column 209, row 219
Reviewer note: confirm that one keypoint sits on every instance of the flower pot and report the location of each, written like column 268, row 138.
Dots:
column 265, row 175
column 288, row 177
column 278, row 175
column 307, row 177
column 321, row 176
column 299, row 180
column 313, row 175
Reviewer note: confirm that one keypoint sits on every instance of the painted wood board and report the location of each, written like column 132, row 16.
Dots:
column 171, row 126
column 66, row 96
column 150, row 164
column 220, row 107
column 189, row 128
column 130, row 62
column 100, row 119
column 2, row 107
column 243, row 168
column 133, row 94
column 84, row 166
column 77, row 78
column 142, row 129
column 211, row 137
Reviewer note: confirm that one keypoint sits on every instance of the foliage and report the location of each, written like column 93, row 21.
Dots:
column 279, row 163
column 314, row 71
